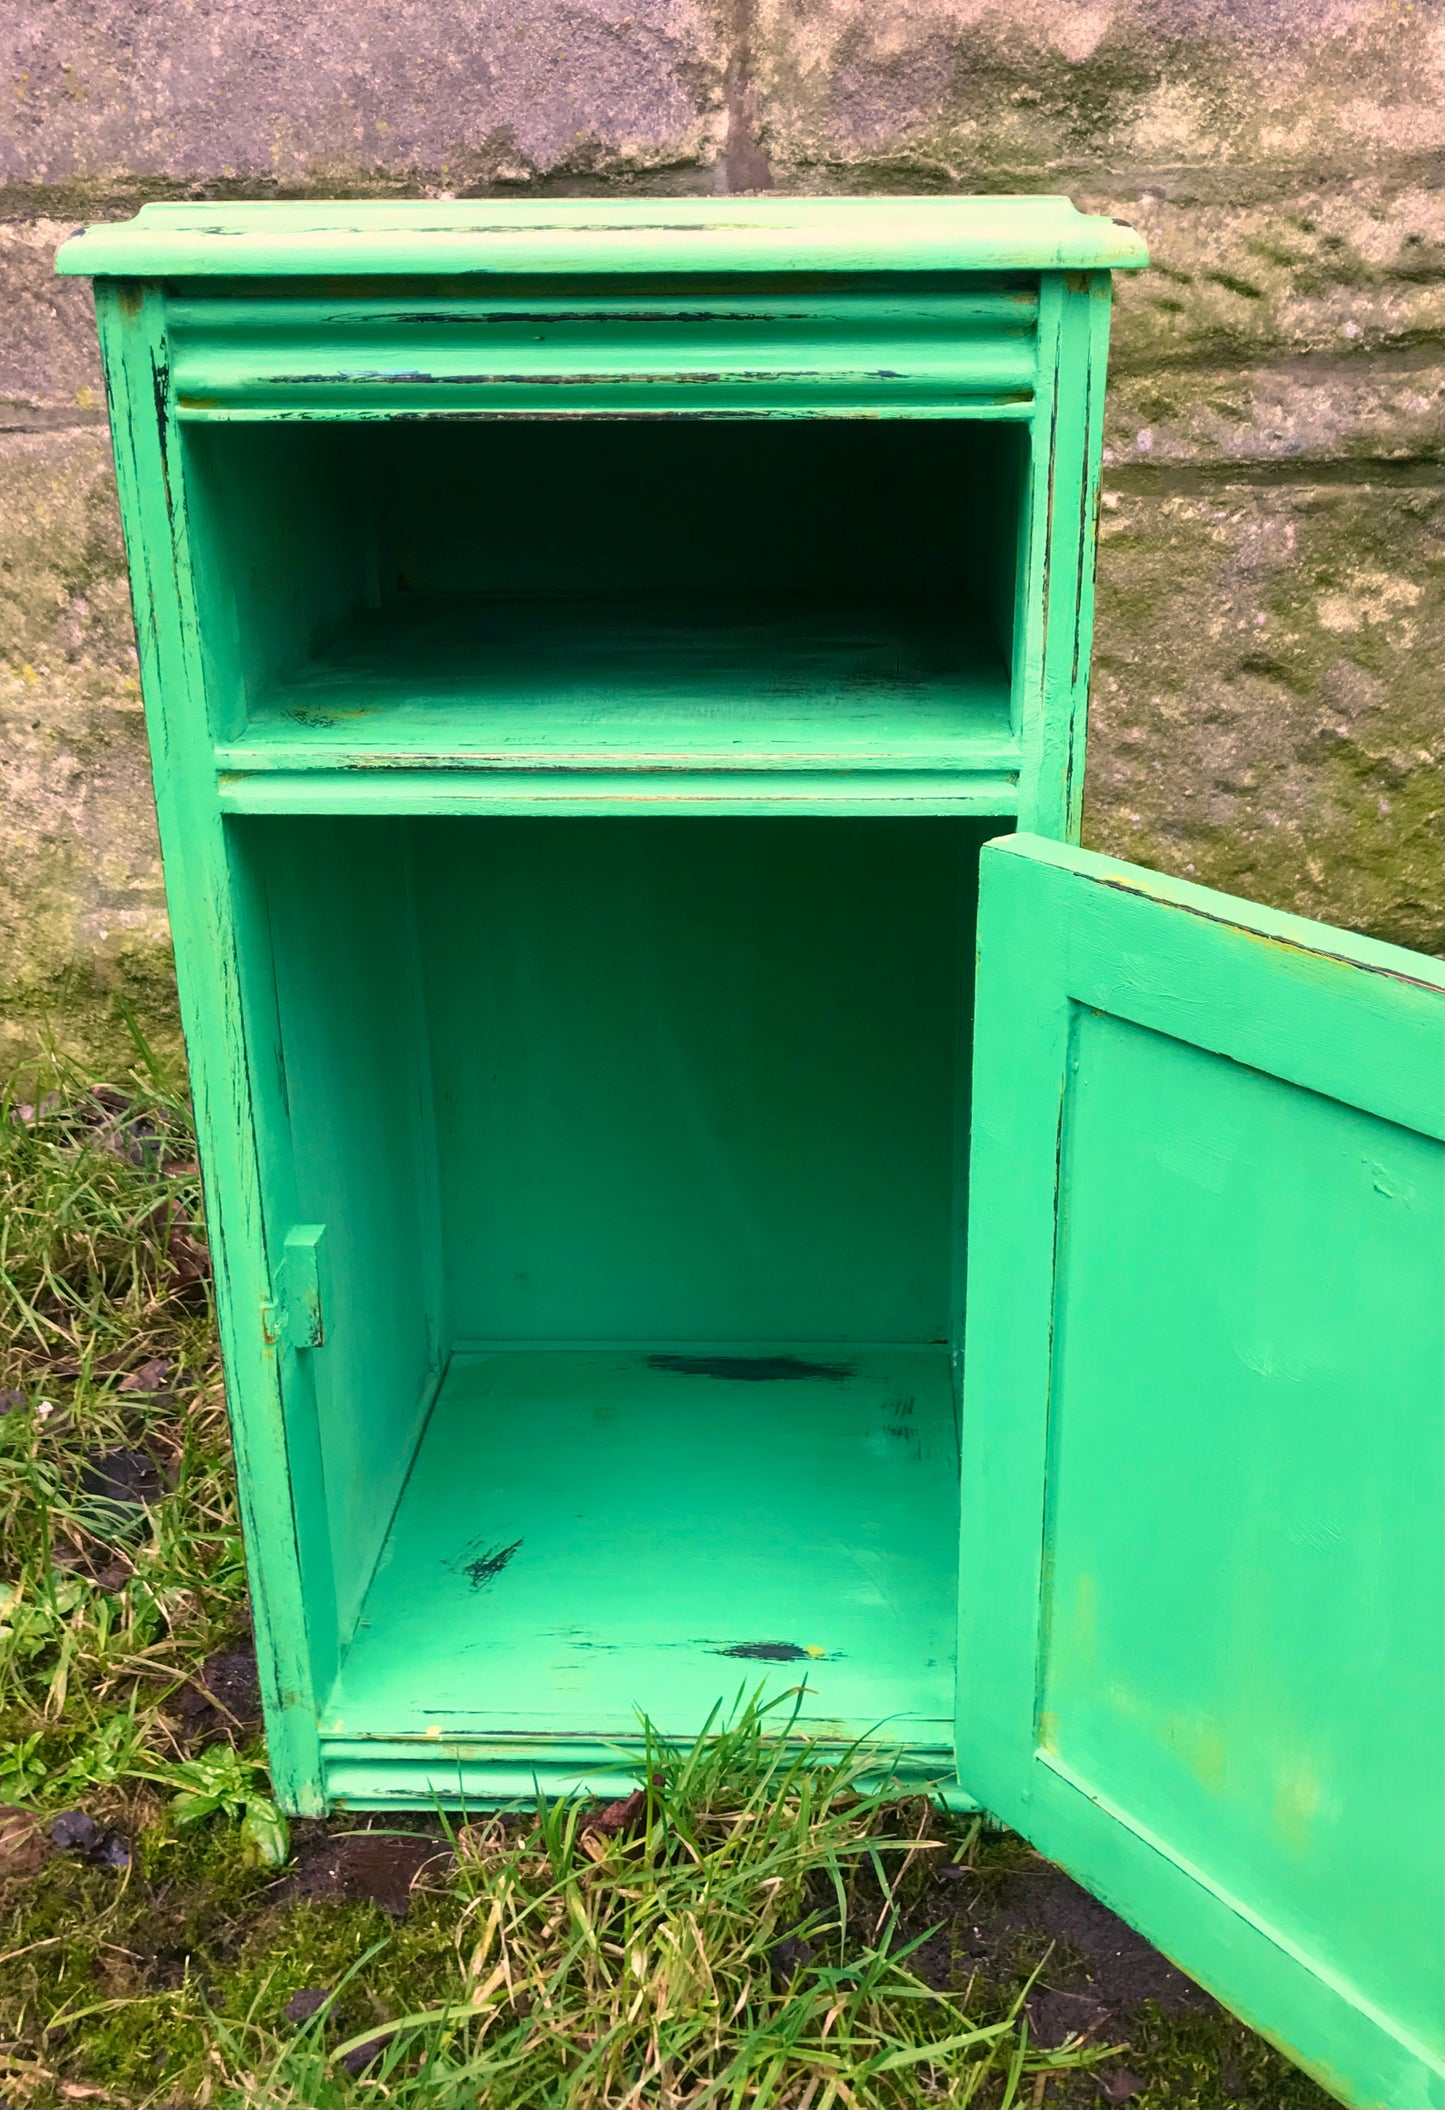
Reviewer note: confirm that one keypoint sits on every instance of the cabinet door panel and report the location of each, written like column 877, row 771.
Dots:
column 1200, row 1631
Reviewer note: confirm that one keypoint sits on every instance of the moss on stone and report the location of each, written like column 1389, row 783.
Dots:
column 1266, row 698
column 1040, row 96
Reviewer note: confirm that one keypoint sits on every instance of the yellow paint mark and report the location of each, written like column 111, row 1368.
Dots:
column 1198, row 1741
column 1297, row 1799
column 1202, row 1747
column 815, row 1652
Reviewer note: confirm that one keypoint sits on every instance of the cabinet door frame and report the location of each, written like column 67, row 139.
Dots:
column 1064, row 934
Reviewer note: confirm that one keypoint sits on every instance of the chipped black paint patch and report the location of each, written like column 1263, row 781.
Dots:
column 750, row 1369
column 768, row 1652
column 471, row 317
column 901, row 1424
column 161, row 394
column 582, row 1638
column 421, row 377
column 161, row 390
column 487, row 1565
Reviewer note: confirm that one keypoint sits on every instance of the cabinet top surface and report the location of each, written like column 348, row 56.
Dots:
column 492, row 237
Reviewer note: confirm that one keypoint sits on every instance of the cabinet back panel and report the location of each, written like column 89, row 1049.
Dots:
column 698, row 1080
column 676, row 506
column 649, row 1080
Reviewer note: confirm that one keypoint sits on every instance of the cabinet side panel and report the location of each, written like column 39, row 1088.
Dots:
column 202, row 902
column 280, row 531
column 1074, row 334
column 353, row 1041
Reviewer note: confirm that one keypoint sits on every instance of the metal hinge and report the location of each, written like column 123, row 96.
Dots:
column 293, row 1310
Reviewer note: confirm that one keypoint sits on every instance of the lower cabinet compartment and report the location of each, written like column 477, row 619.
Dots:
column 632, row 1153
column 586, row 1535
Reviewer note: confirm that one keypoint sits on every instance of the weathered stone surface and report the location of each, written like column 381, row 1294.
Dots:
column 1267, row 678
column 82, row 910
column 1340, row 271
column 466, row 91
column 1043, row 94
column 48, row 357
column 64, row 603
column 1348, row 412
column 1266, row 699
column 82, row 913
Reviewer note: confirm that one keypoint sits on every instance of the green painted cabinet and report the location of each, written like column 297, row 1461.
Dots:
column 610, row 669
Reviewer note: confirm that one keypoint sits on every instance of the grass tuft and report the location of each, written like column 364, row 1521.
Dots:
column 759, row 1927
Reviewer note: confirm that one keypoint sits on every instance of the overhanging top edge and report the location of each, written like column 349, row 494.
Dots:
column 494, row 237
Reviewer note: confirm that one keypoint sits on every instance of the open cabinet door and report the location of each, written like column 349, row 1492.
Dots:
column 1200, row 1650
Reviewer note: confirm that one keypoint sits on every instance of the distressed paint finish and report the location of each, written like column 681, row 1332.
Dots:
column 210, row 912
column 250, row 353
column 957, row 684
column 645, row 1099
column 573, row 914
column 583, row 237
column 301, row 520
column 567, row 793
column 1199, row 1596
column 920, row 348
column 821, row 1479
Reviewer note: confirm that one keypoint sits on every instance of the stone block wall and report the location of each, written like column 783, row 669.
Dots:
column 1267, row 678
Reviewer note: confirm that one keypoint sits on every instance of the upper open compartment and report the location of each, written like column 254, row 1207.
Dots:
column 689, row 506
column 669, row 594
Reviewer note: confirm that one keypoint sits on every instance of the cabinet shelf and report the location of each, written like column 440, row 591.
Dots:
column 643, row 681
